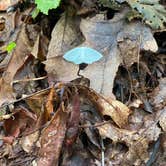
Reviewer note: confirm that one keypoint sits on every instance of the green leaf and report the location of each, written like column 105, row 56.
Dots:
column 45, row 5
column 153, row 13
column 10, row 47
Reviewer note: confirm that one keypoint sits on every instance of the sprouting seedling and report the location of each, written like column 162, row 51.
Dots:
column 82, row 56
column 10, row 47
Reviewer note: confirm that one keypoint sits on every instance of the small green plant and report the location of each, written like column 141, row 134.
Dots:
column 45, row 5
column 10, row 47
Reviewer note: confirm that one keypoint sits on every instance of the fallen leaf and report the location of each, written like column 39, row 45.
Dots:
column 52, row 139
column 152, row 12
column 137, row 141
column 49, row 104
column 73, row 122
column 65, row 36
column 21, row 53
column 162, row 119
column 21, row 121
column 112, row 108
column 28, row 142
column 159, row 94
column 134, row 38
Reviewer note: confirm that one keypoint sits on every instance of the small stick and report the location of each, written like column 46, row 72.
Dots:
column 29, row 79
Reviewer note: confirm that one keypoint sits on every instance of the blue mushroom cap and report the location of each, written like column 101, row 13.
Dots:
column 80, row 55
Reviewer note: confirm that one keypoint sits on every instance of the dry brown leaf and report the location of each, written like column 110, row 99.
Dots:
column 49, row 104
column 21, row 121
column 8, row 27
column 159, row 94
column 4, row 4
column 65, row 36
column 116, row 110
column 52, row 139
column 73, row 122
column 162, row 119
column 114, row 133
column 113, row 108
column 22, row 52
column 137, row 141
column 27, row 142
column 40, row 48
column 134, row 38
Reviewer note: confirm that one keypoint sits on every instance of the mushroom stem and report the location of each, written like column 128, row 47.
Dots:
column 78, row 73
column 82, row 66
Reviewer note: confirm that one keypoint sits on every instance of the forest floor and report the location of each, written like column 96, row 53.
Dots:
column 113, row 114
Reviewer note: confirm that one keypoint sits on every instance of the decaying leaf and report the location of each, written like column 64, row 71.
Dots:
column 152, row 12
column 49, row 104
column 22, row 52
column 136, row 141
column 27, row 142
column 19, row 123
column 52, row 139
column 73, row 122
column 7, row 26
column 159, row 94
column 134, row 38
column 162, row 119
column 112, row 108
column 65, row 36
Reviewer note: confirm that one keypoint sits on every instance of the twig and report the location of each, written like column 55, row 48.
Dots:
column 25, row 97
column 29, row 79
column 102, row 152
column 7, row 116
column 96, row 125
